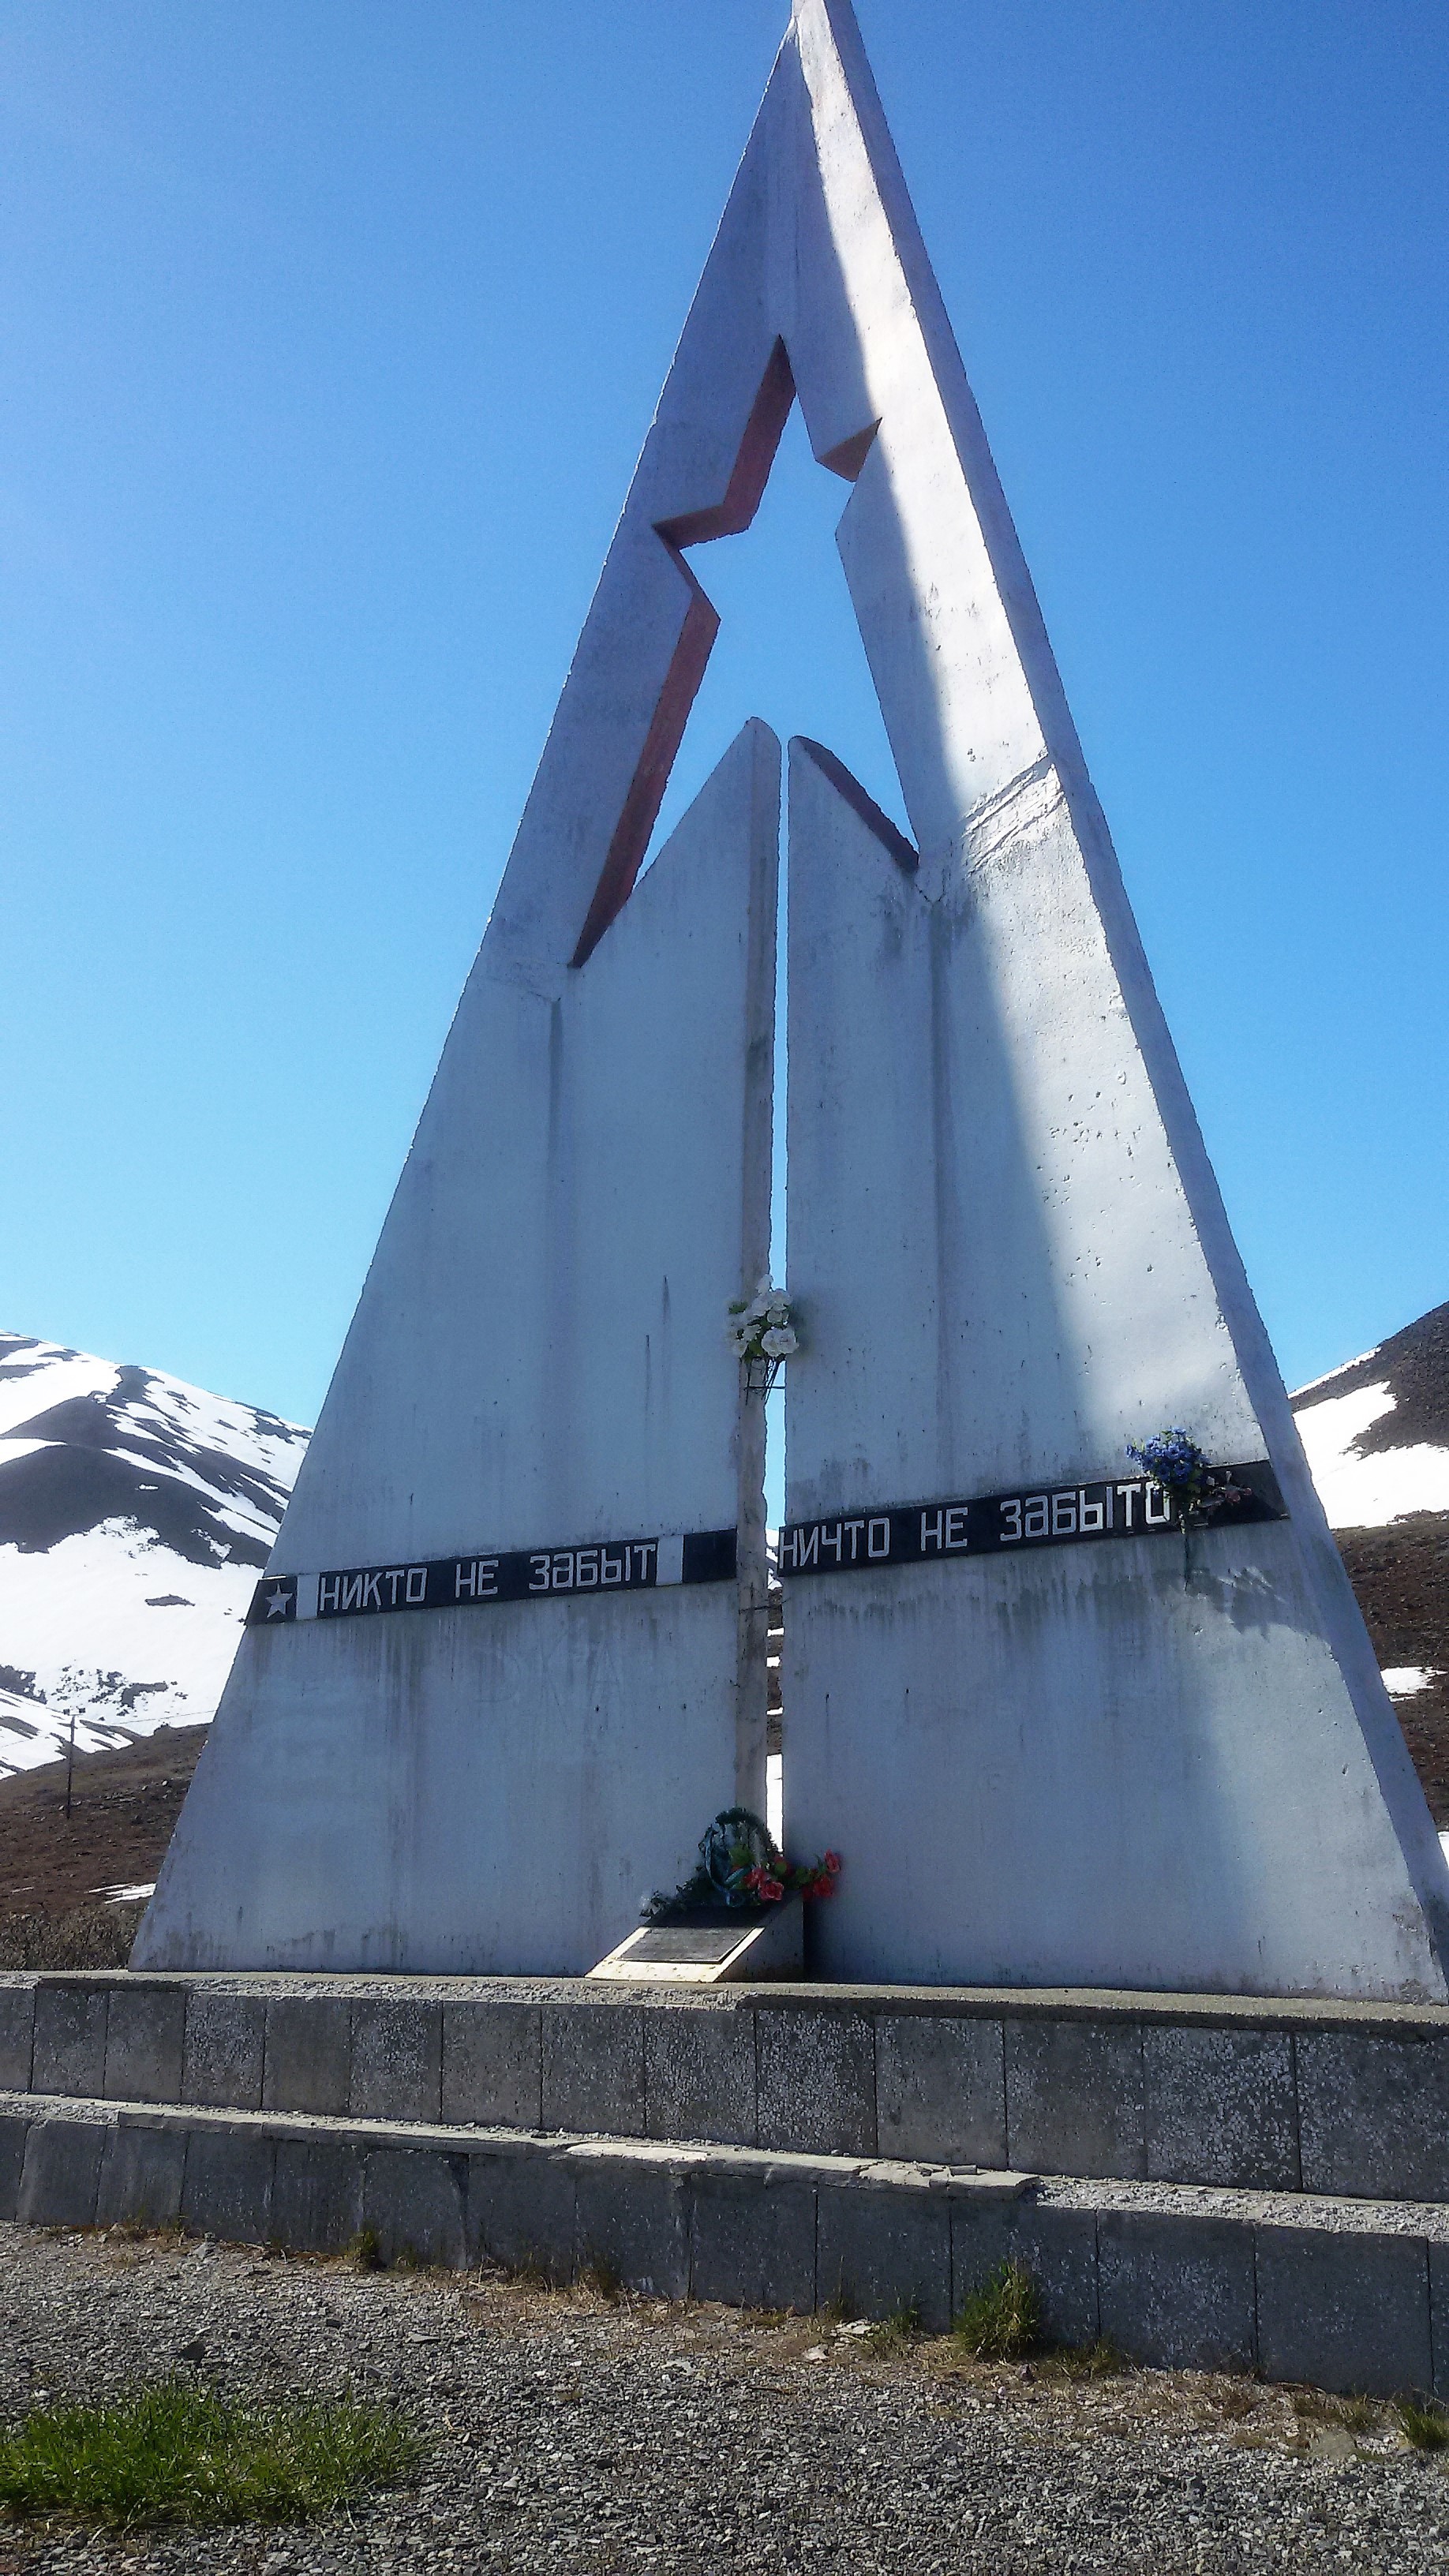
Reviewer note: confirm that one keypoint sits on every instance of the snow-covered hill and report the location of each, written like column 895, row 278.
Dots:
column 134, row 1514
column 1377, row 1430
column 1377, row 1436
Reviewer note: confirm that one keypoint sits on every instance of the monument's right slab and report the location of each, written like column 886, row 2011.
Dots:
column 1053, row 1746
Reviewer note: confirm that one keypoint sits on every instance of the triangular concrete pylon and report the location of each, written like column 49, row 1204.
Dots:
column 1055, row 1747
column 509, row 1677
column 1054, row 1765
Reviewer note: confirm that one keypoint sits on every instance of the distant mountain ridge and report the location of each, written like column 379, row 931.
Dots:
column 134, row 1513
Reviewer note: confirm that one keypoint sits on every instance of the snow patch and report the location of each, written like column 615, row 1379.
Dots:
column 1366, row 1493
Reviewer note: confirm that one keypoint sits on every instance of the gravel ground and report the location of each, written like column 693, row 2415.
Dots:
column 571, row 2433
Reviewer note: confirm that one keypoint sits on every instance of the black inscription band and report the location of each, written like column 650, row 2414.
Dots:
column 996, row 1524
column 509, row 1574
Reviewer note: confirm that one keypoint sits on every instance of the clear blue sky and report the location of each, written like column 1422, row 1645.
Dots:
column 330, row 332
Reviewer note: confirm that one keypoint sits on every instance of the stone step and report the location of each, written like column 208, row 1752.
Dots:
column 1345, row 2295
column 1322, row 2097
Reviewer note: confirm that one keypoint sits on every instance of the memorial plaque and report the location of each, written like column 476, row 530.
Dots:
column 691, row 1945
column 711, row 1952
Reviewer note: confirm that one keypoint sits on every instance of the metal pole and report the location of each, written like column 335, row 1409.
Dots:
column 70, row 1763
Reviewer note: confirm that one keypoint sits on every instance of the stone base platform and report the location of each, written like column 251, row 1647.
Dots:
column 1316, row 2097
column 1208, row 2181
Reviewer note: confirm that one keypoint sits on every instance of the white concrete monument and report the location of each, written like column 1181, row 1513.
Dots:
column 1056, row 1741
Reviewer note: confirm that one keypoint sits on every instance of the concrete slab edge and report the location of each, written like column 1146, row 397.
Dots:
column 1362, row 2310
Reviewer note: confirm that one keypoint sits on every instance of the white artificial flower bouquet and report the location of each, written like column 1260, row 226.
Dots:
column 761, row 1333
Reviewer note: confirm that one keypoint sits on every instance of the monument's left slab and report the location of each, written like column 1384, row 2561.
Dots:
column 494, row 1676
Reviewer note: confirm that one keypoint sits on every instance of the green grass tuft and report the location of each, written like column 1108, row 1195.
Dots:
column 1099, row 2360
column 1423, row 2424
column 895, row 2334
column 1002, row 2320
column 175, row 2452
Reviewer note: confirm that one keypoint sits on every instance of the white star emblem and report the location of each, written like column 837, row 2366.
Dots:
column 277, row 1606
